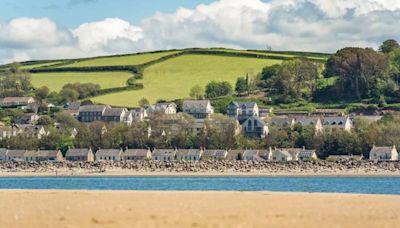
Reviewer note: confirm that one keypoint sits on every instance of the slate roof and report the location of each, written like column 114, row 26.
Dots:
column 382, row 150
column 77, row 152
column 48, row 153
column 109, row 152
column 278, row 121
column 92, row 108
column 251, row 153
column 214, row 153
column 246, row 104
column 196, row 103
column 113, row 112
column 335, row 120
column 8, row 100
column 306, row 153
column 305, row 120
column 188, row 152
column 16, row 153
column 135, row 152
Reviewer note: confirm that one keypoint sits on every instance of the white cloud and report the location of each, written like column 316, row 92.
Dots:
column 308, row 25
column 108, row 35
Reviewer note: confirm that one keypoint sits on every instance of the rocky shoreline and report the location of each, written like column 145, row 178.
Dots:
column 186, row 167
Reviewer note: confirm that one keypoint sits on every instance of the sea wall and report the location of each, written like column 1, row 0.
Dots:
column 310, row 167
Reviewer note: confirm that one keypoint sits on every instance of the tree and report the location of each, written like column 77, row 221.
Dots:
column 389, row 46
column 197, row 92
column 144, row 103
column 292, row 80
column 69, row 94
column 218, row 89
column 241, row 85
column 42, row 92
column 362, row 72
column 46, row 121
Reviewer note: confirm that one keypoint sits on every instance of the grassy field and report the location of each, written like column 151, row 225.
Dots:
column 174, row 78
column 55, row 81
column 28, row 67
column 120, row 61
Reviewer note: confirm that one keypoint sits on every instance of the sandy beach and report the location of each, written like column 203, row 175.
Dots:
column 51, row 208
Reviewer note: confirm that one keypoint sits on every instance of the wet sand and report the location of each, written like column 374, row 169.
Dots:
column 51, row 208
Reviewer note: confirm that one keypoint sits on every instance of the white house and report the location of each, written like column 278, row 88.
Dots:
column 199, row 109
column 163, row 154
column 109, row 155
column 341, row 122
column 189, row 155
column 383, row 153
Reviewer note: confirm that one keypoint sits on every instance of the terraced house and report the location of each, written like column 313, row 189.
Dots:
column 79, row 155
column 163, row 154
column 341, row 122
column 136, row 154
column 92, row 113
column 189, row 155
column 109, row 155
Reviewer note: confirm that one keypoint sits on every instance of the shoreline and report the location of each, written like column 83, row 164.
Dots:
column 129, row 173
column 84, row 208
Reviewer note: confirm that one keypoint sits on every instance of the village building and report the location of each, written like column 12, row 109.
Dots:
column 31, row 156
column 79, row 155
column 215, row 122
column 164, row 107
column 282, row 122
column 121, row 115
column 314, row 122
column 91, row 113
column 15, row 155
column 18, row 102
column 341, row 122
column 265, row 154
column 252, row 155
column 109, row 155
column 281, row 155
column 255, row 127
column 163, row 154
column 32, row 131
column 214, row 155
column 234, row 155
column 138, row 114
column 388, row 153
column 3, row 154
column 199, row 109
column 136, row 155
column 72, row 106
column 30, row 118
column 307, row 155
column 189, row 154
column 241, row 111
column 7, row 132
column 49, row 155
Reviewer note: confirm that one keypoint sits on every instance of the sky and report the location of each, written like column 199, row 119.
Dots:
column 57, row 29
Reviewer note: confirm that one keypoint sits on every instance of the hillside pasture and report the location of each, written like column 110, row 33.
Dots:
column 55, row 81
column 173, row 79
column 127, row 60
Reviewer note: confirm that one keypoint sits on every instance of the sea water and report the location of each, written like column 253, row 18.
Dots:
column 364, row 185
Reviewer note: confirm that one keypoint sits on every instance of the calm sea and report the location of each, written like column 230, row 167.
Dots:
column 365, row 185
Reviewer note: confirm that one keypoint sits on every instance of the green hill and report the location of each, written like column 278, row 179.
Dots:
column 166, row 74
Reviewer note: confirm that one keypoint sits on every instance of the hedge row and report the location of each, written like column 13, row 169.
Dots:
column 133, row 69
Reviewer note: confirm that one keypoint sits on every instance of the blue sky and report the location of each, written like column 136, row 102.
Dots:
column 72, row 13
column 53, row 29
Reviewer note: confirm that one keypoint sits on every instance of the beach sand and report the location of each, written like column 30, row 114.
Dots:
column 51, row 208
